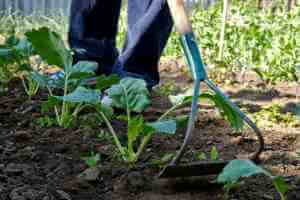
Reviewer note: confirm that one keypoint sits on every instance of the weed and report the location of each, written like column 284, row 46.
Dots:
column 51, row 48
column 92, row 159
column 213, row 154
column 274, row 114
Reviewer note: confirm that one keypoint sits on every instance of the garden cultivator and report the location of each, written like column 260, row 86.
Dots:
column 191, row 51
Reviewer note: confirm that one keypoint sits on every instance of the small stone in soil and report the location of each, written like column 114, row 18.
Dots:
column 90, row 174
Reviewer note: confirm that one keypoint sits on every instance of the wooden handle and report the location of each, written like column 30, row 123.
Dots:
column 180, row 17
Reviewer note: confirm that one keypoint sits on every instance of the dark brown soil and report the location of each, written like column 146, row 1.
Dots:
column 44, row 163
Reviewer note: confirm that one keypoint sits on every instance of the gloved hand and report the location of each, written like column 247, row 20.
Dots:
column 191, row 4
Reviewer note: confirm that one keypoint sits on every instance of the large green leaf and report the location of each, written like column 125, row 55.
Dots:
column 246, row 168
column 103, row 82
column 82, row 95
column 4, row 52
column 81, row 69
column 42, row 80
column 45, row 81
column 50, row 47
column 239, row 168
column 163, row 126
column 24, row 46
column 226, row 110
column 280, row 185
column 130, row 93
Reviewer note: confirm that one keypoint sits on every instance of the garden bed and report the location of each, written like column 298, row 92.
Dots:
column 40, row 162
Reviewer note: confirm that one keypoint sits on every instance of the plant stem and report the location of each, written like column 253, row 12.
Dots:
column 64, row 111
column 282, row 197
column 148, row 137
column 55, row 109
column 112, row 131
column 79, row 108
column 143, row 144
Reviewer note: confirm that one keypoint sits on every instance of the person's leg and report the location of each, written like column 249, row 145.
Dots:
column 149, row 27
column 93, row 29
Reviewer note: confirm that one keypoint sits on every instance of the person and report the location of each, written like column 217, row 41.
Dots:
column 93, row 30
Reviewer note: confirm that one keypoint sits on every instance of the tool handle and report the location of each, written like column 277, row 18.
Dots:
column 180, row 18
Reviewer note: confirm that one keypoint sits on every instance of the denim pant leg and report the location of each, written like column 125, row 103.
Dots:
column 93, row 27
column 149, row 27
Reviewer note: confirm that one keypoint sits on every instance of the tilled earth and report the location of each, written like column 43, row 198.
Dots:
column 45, row 163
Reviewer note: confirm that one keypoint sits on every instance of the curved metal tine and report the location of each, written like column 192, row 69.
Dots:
column 258, row 133
column 191, row 123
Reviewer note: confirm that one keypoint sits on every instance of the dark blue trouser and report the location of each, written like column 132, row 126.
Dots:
column 149, row 26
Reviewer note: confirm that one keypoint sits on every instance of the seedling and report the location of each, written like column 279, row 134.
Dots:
column 132, row 95
column 51, row 48
column 17, row 52
column 92, row 159
column 31, row 86
column 246, row 168
column 213, row 154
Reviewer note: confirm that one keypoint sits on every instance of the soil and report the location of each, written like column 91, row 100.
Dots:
column 45, row 163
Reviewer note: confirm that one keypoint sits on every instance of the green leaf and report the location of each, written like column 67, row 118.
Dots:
column 44, row 81
column 182, row 120
column 135, row 127
column 260, row 73
column 5, row 52
column 103, row 82
column 201, row 156
column 226, row 110
column 40, row 79
column 280, row 185
column 82, row 68
column 25, row 67
column 167, row 126
column 131, row 94
column 50, row 47
column 50, row 103
column 82, row 95
column 214, row 153
column 24, row 46
column 92, row 160
column 239, row 168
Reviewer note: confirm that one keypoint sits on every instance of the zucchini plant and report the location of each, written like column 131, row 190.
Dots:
column 15, row 56
column 129, row 94
column 132, row 95
column 51, row 48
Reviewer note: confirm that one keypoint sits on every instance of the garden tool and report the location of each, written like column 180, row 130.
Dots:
column 192, row 54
